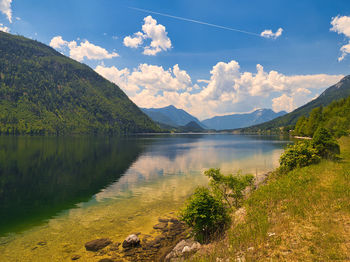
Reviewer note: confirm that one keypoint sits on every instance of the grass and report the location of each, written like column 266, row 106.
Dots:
column 303, row 215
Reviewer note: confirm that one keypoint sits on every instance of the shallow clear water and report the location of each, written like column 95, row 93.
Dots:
column 67, row 191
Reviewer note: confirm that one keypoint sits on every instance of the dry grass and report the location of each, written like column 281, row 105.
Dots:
column 300, row 216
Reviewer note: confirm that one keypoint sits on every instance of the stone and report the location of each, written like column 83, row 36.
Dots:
column 271, row 234
column 131, row 241
column 75, row 257
column 97, row 244
column 106, row 260
column 161, row 226
column 163, row 220
column 174, row 220
column 42, row 243
column 114, row 247
column 183, row 249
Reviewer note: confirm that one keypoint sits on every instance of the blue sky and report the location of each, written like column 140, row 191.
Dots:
column 203, row 69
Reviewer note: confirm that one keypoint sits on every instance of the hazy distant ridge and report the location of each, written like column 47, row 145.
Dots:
column 241, row 120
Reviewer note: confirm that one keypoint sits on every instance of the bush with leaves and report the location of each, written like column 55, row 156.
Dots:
column 228, row 187
column 205, row 213
column 299, row 155
column 207, row 210
column 325, row 144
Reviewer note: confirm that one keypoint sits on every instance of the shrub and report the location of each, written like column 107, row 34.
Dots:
column 325, row 144
column 205, row 213
column 298, row 155
column 229, row 187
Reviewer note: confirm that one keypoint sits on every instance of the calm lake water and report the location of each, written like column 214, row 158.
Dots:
column 66, row 191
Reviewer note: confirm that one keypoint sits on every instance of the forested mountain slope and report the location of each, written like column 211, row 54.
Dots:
column 335, row 117
column 44, row 92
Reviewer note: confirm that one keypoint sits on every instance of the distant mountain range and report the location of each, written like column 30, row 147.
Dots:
column 335, row 92
column 171, row 116
column 241, row 120
column 45, row 92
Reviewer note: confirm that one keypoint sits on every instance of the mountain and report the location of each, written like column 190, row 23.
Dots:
column 335, row 92
column 44, row 92
column 241, row 120
column 335, row 117
column 171, row 116
column 191, row 127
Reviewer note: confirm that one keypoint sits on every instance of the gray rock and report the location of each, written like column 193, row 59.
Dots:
column 183, row 249
column 97, row 244
column 131, row 241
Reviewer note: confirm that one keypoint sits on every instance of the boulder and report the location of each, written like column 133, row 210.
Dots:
column 97, row 244
column 131, row 241
column 183, row 249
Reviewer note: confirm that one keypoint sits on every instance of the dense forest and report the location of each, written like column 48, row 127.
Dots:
column 287, row 122
column 335, row 117
column 44, row 92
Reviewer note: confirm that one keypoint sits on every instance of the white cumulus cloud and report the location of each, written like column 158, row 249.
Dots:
column 5, row 8
column 341, row 25
column 57, row 42
column 4, row 28
column 284, row 102
column 135, row 41
column 83, row 50
column 269, row 34
column 228, row 89
column 152, row 31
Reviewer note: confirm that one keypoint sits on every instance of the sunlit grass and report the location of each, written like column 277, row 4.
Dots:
column 303, row 215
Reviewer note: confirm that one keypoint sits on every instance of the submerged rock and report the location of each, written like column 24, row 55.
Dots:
column 106, row 260
column 161, row 225
column 75, row 257
column 183, row 249
column 131, row 241
column 114, row 247
column 97, row 244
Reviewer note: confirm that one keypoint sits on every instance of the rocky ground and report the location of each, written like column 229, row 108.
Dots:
column 170, row 243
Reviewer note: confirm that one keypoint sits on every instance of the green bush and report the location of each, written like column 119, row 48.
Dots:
column 325, row 144
column 298, row 155
column 205, row 213
column 229, row 187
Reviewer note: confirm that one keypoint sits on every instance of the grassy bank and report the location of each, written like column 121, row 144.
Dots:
column 303, row 215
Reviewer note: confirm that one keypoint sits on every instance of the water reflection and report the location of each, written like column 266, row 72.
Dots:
column 182, row 154
column 41, row 176
column 88, row 188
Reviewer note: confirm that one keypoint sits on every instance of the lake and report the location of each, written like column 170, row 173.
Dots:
column 64, row 192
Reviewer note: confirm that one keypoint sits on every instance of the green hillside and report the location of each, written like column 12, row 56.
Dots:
column 335, row 92
column 44, row 92
column 335, row 117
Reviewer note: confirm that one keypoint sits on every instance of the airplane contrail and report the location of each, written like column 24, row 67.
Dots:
column 195, row 21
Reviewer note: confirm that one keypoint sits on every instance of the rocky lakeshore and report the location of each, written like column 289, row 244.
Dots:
column 169, row 241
